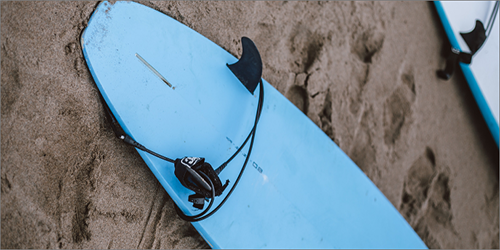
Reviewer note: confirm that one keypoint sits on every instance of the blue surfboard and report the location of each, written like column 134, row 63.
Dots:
column 300, row 190
column 482, row 74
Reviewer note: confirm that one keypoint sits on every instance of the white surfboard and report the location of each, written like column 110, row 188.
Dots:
column 482, row 74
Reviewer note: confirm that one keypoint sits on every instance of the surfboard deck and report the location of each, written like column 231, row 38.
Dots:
column 300, row 189
column 482, row 74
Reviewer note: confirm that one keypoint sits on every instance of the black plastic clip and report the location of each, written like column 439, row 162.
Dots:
column 198, row 200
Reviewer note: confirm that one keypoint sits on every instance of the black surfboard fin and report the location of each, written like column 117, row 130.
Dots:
column 475, row 38
column 249, row 68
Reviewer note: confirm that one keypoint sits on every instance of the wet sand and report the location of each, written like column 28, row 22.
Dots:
column 364, row 72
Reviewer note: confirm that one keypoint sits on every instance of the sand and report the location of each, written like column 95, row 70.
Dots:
column 364, row 72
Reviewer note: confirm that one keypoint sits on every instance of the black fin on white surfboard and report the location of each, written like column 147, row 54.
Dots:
column 475, row 38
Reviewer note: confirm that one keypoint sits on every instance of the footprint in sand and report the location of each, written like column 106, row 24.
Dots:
column 12, row 78
column 398, row 108
column 426, row 201
column 305, row 46
column 417, row 183
column 299, row 97
column 367, row 44
column 71, row 50
column 364, row 46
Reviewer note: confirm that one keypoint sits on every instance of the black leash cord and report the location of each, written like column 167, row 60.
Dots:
column 493, row 14
column 117, row 129
column 196, row 218
column 259, row 109
column 132, row 142
column 123, row 136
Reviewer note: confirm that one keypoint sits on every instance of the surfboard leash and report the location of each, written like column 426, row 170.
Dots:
column 200, row 216
column 248, row 69
column 193, row 172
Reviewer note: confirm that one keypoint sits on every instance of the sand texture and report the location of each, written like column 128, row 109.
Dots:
column 364, row 72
